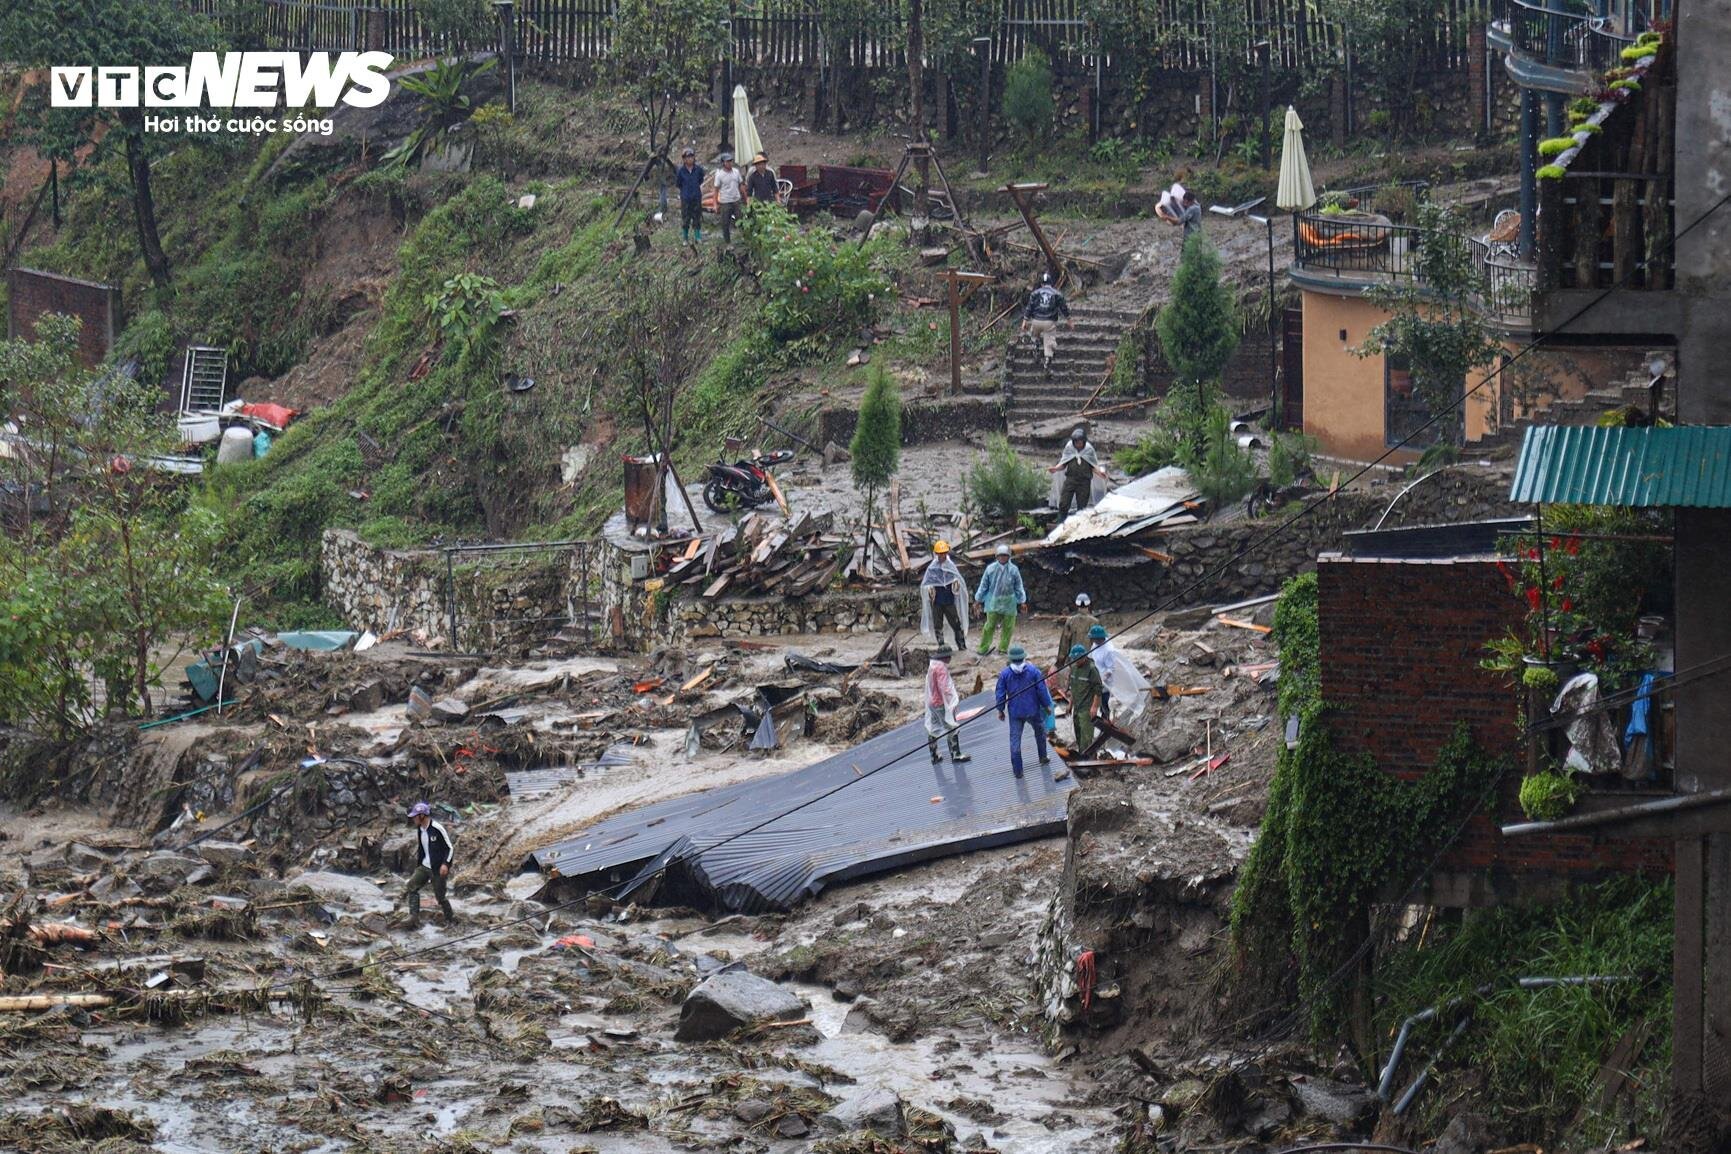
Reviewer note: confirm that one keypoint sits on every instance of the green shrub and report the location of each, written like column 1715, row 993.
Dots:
column 811, row 284
column 1548, row 795
column 1288, row 457
column 1555, row 146
column 1028, row 95
column 1002, row 484
column 1223, row 473
column 1638, row 52
column 1551, row 172
column 1540, row 679
column 1158, row 448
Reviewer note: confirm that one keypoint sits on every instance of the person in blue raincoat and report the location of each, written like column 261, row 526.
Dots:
column 1001, row 594
column 1023, row 700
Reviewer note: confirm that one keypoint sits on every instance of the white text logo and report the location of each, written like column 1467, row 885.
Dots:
column 231, row 80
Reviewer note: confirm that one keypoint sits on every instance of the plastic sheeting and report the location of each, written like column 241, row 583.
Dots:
column 770, row 843
column 1141, row 504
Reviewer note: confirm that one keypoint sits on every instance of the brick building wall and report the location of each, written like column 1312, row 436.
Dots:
column 1401, row 642
column 31, row 294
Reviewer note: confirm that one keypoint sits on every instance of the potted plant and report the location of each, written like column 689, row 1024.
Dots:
column 1549, row 794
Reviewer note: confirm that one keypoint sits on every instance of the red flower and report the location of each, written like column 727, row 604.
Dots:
column 1568, row 604
column 1557, row 581
column 1508, row 574
column 1574, row 546
column 1533, row 597
column 1556, row 543
column 1533, row 554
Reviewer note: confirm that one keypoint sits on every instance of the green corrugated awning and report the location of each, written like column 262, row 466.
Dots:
column 1568, row 465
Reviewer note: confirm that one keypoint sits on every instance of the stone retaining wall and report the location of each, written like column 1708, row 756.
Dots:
column 687, row 619
column 502, row 601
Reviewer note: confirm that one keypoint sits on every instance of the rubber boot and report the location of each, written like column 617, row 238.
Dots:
column 957, row 757
column 932, row 744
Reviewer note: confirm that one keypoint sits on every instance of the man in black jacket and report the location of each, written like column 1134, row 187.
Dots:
column 760, row 185
column 434, row 849
column 1040, row 317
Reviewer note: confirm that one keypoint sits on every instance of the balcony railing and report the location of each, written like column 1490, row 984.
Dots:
column 1571, row 40
column 1357, row 249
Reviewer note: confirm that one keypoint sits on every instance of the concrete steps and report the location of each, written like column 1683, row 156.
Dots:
column 1586, row 410
column 1042, row 400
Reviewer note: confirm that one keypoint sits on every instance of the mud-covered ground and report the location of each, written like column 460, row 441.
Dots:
column 268, row 996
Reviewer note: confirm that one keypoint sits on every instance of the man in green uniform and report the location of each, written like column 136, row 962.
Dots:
column 1086, row 689
column 1080, row 464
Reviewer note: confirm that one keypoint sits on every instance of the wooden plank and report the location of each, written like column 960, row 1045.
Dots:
column 1125, row 407
column 1155, row 554
column 717, row 587
column 22, row 1002
column 1250, row 625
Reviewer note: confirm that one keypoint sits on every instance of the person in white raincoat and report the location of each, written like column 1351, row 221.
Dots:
column 944, row 598
column 1078, row 478
column 941, row 698
column 1126, row 688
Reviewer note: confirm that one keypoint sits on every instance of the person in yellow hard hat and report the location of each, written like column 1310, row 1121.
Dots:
column 944, row 598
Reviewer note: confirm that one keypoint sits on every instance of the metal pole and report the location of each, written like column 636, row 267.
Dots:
column 1273, row 375
column 227, row 652
column 983, row 45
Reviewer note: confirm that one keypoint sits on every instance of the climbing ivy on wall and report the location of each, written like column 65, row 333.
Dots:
column 1337, row 830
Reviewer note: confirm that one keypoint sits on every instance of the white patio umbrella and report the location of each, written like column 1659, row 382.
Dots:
column 1295, row 193
column 746, row 142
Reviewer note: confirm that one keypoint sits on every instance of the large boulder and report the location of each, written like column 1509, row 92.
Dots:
column 879, row 1111
column 732, row 1001
column 1337, row 1102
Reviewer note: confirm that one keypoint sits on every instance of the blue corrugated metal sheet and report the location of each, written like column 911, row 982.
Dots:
column 1687, row 466
column 908, row 812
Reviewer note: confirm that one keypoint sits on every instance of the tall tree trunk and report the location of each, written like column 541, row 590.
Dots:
column 143, row 202
column 917, row 96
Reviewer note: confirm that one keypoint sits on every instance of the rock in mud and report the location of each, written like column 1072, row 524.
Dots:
column 879, row 1111
column 1465, row 1134
column 792, row 1126
column 449, row 709
column 174, row 868
column 225, row 853
column 82, row 857
column 732, row 1001
column 1333, row 1101
column 752, row 1111
column 111, row 888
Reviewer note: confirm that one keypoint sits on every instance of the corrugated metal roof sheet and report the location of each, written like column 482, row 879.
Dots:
column 908, row 812
column 1688, row 466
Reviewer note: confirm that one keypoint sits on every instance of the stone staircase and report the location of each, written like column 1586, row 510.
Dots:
column 1631, row 390
column 1037, row 404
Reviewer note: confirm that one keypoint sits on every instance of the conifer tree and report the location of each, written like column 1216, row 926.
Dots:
column 1198, row 327
column 877, row 441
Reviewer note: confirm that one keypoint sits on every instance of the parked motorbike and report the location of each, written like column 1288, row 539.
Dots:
column 743, row 484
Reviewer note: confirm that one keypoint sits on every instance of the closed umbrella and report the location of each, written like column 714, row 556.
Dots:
column 1296, row 193
column 746, row 142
